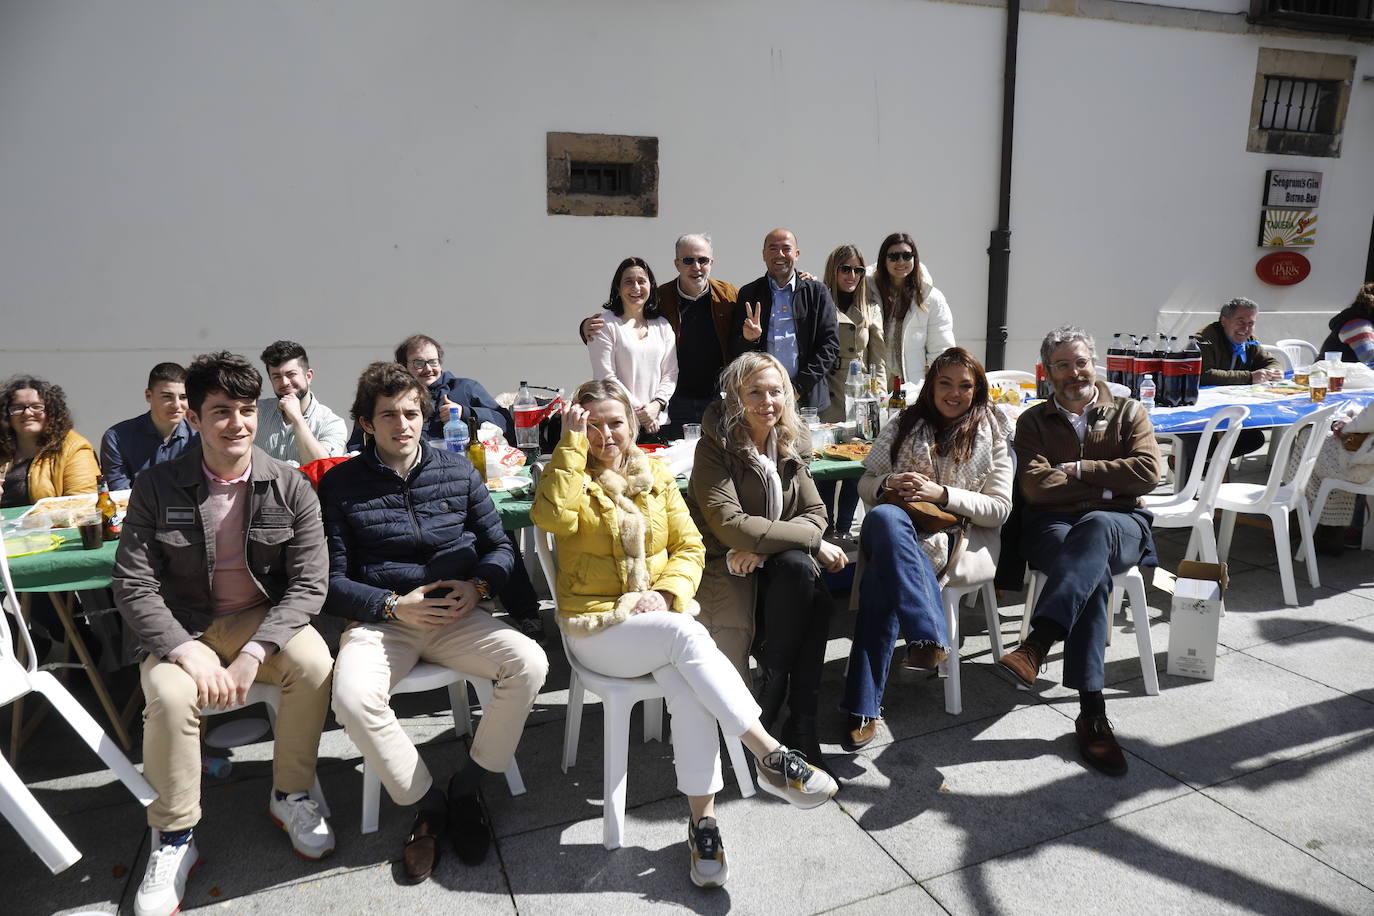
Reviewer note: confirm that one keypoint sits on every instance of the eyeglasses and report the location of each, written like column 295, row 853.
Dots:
column 693, row 262
column 418, row 364
column 1064, row 365
column 851, row 269
column 900, row 255
column 20, row 409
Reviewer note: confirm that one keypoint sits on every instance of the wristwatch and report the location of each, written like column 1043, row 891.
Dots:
column 483, row 588
column 389, row 606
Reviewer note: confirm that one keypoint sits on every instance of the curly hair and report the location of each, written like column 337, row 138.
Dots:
column 57, row 418
column 734, row 377
column 387, row 380
column 897, row 300
column 952, row 437
column 1364, row 299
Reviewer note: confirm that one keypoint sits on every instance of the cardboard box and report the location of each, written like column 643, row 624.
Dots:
column 1194, row 618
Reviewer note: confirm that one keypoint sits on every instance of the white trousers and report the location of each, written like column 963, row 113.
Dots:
column 700, row 685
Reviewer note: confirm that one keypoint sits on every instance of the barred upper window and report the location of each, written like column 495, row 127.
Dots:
column 1303, row 105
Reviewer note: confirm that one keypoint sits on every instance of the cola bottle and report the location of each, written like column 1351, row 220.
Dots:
column 526, row 413
column 1042, row 383
column 1128, row 376
column 1192, row 376
column 1171, row 382
column 1115, row 356
column 1142, row 364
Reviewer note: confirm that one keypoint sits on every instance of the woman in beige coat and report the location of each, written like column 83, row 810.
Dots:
column 752, row 496
column 948, row 448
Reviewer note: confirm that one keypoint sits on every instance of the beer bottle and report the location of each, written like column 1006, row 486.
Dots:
column 109, row 529
column 476, row 453
column 898, row 400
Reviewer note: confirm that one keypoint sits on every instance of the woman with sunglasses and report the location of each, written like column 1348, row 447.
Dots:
column 636, row 348
column 917, row 323
column 859, row 320
column 40, row 454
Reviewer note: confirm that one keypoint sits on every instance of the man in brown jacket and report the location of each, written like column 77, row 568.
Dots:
column 1084, row 459
column 221, row 565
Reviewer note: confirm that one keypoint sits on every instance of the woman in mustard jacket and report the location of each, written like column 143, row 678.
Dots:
column 629, row 563
column 40, row 454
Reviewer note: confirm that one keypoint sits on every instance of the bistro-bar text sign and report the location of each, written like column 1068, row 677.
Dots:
column 1289, row 190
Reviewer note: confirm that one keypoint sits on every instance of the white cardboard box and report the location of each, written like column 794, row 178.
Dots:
column 1194, row 618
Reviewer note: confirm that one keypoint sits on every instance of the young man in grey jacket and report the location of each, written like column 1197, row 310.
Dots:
column 221, row 565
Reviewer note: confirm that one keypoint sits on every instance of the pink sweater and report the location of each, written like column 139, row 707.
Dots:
column 646, row 368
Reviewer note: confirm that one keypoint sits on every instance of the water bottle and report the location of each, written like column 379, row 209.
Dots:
column 1147, row 392
column 526, row 412
column 853, row 390
column 456, row 432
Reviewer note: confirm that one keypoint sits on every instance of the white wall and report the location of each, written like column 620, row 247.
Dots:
column 176, row 177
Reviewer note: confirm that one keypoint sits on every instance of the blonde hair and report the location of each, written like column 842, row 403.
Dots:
column 734, row 377
column 607, row 390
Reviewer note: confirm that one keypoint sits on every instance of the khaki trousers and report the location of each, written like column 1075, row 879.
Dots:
column 373, row 657
column 171, row 716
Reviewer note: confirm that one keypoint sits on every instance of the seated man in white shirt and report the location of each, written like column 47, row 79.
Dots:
column 294, row 426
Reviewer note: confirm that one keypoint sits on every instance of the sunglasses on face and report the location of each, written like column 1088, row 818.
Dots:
column 692, row 262
column 851, row 270
column 900, row 255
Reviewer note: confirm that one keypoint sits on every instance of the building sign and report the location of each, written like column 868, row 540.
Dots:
column 1283, row 268
column 1287, row 229
column 1292, row 189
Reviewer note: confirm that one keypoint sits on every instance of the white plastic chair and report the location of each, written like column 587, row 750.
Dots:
column 949, row 668
column 1299, row 351
column 1132, row 584
column 1194, row 503
column 422, row 678
column 1276, row 499
column 270, row 696
column 17, row 804
column 1010, row 375
column 1363, row 489
column 618, row 698
column 1287, row 361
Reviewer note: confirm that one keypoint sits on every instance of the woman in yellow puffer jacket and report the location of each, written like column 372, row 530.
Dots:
column 40, row 454
column 630, row 560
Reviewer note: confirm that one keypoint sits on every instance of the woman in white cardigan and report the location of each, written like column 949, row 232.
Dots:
column 636, row 347
column 917, row 322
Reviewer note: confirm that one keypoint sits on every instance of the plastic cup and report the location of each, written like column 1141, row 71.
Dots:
column 92, row 533
column 691, row 432
column 1316, row 386
column 1300, row 377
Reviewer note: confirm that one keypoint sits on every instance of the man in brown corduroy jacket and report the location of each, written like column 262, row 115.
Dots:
column 1084, row 459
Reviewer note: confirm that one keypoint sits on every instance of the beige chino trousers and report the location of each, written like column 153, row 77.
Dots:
column 373, row 657
column 171, row 716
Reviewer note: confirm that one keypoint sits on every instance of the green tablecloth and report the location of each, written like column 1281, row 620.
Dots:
column 69, row 568
column 515, row 509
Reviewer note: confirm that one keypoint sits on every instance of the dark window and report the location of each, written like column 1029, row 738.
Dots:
column 599, row 178
column 1300, row 105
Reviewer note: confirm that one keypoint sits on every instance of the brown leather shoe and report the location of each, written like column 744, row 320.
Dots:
column 1098, row 745
column 1023, row 664
column 421, row 850
column 925, row 656
column 862, row 734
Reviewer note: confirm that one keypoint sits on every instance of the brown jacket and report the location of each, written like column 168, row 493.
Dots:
column 1118, row 454
column 1216, row 353
column 727, row 495
column 723, row 298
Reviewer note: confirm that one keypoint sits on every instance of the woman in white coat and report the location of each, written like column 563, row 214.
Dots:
column 917, row 323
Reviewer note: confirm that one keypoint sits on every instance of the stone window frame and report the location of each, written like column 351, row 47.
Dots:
column 1337, row 69
column 640, row 154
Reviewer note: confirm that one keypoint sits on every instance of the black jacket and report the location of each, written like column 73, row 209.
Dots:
column 1333, row 340
column 386, row 534
column 818, row 342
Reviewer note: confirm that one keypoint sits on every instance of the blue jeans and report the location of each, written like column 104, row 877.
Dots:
column 899, row 594
column 1079, row 554
column 841, row 517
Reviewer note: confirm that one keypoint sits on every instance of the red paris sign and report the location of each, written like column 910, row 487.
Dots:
column 1283, row 268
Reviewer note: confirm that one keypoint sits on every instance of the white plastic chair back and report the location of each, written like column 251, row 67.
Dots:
column 1317, row 421
column 1205, row 489
column 1010, row 375
column 11, row 609
column 1287, row 358
column 1300, row 351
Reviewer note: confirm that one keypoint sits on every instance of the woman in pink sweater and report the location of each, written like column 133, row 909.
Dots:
column 636, row 347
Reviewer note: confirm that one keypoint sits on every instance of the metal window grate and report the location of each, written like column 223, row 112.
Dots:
column 599, row 178
column 1300, row 105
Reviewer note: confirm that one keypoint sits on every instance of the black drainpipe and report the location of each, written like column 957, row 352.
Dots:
column 999, row 242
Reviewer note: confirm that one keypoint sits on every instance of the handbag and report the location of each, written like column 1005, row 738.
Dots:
column 1353, row 441
column 925, row 515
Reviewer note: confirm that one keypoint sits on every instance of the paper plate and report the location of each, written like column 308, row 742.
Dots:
column 507, row 484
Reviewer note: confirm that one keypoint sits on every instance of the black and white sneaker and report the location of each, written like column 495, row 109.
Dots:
column 709, row 868
column 533, row 627
column 786, row 774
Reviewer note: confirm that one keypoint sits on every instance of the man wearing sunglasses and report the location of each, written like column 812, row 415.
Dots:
column 790, row 316
column 700, row 310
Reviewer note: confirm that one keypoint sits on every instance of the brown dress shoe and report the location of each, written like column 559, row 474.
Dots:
column 421, row 850
column 1023, row 664
column 1098, row 745
column 925, row 656
column 862, row 734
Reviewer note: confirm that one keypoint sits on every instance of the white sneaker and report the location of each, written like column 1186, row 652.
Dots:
column 786, row 774
column 300, row 817
column 164, row 883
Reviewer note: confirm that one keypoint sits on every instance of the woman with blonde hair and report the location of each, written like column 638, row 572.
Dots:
column 917, row 322
column 859, row 321
column 753, row 499
column 629, row 562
